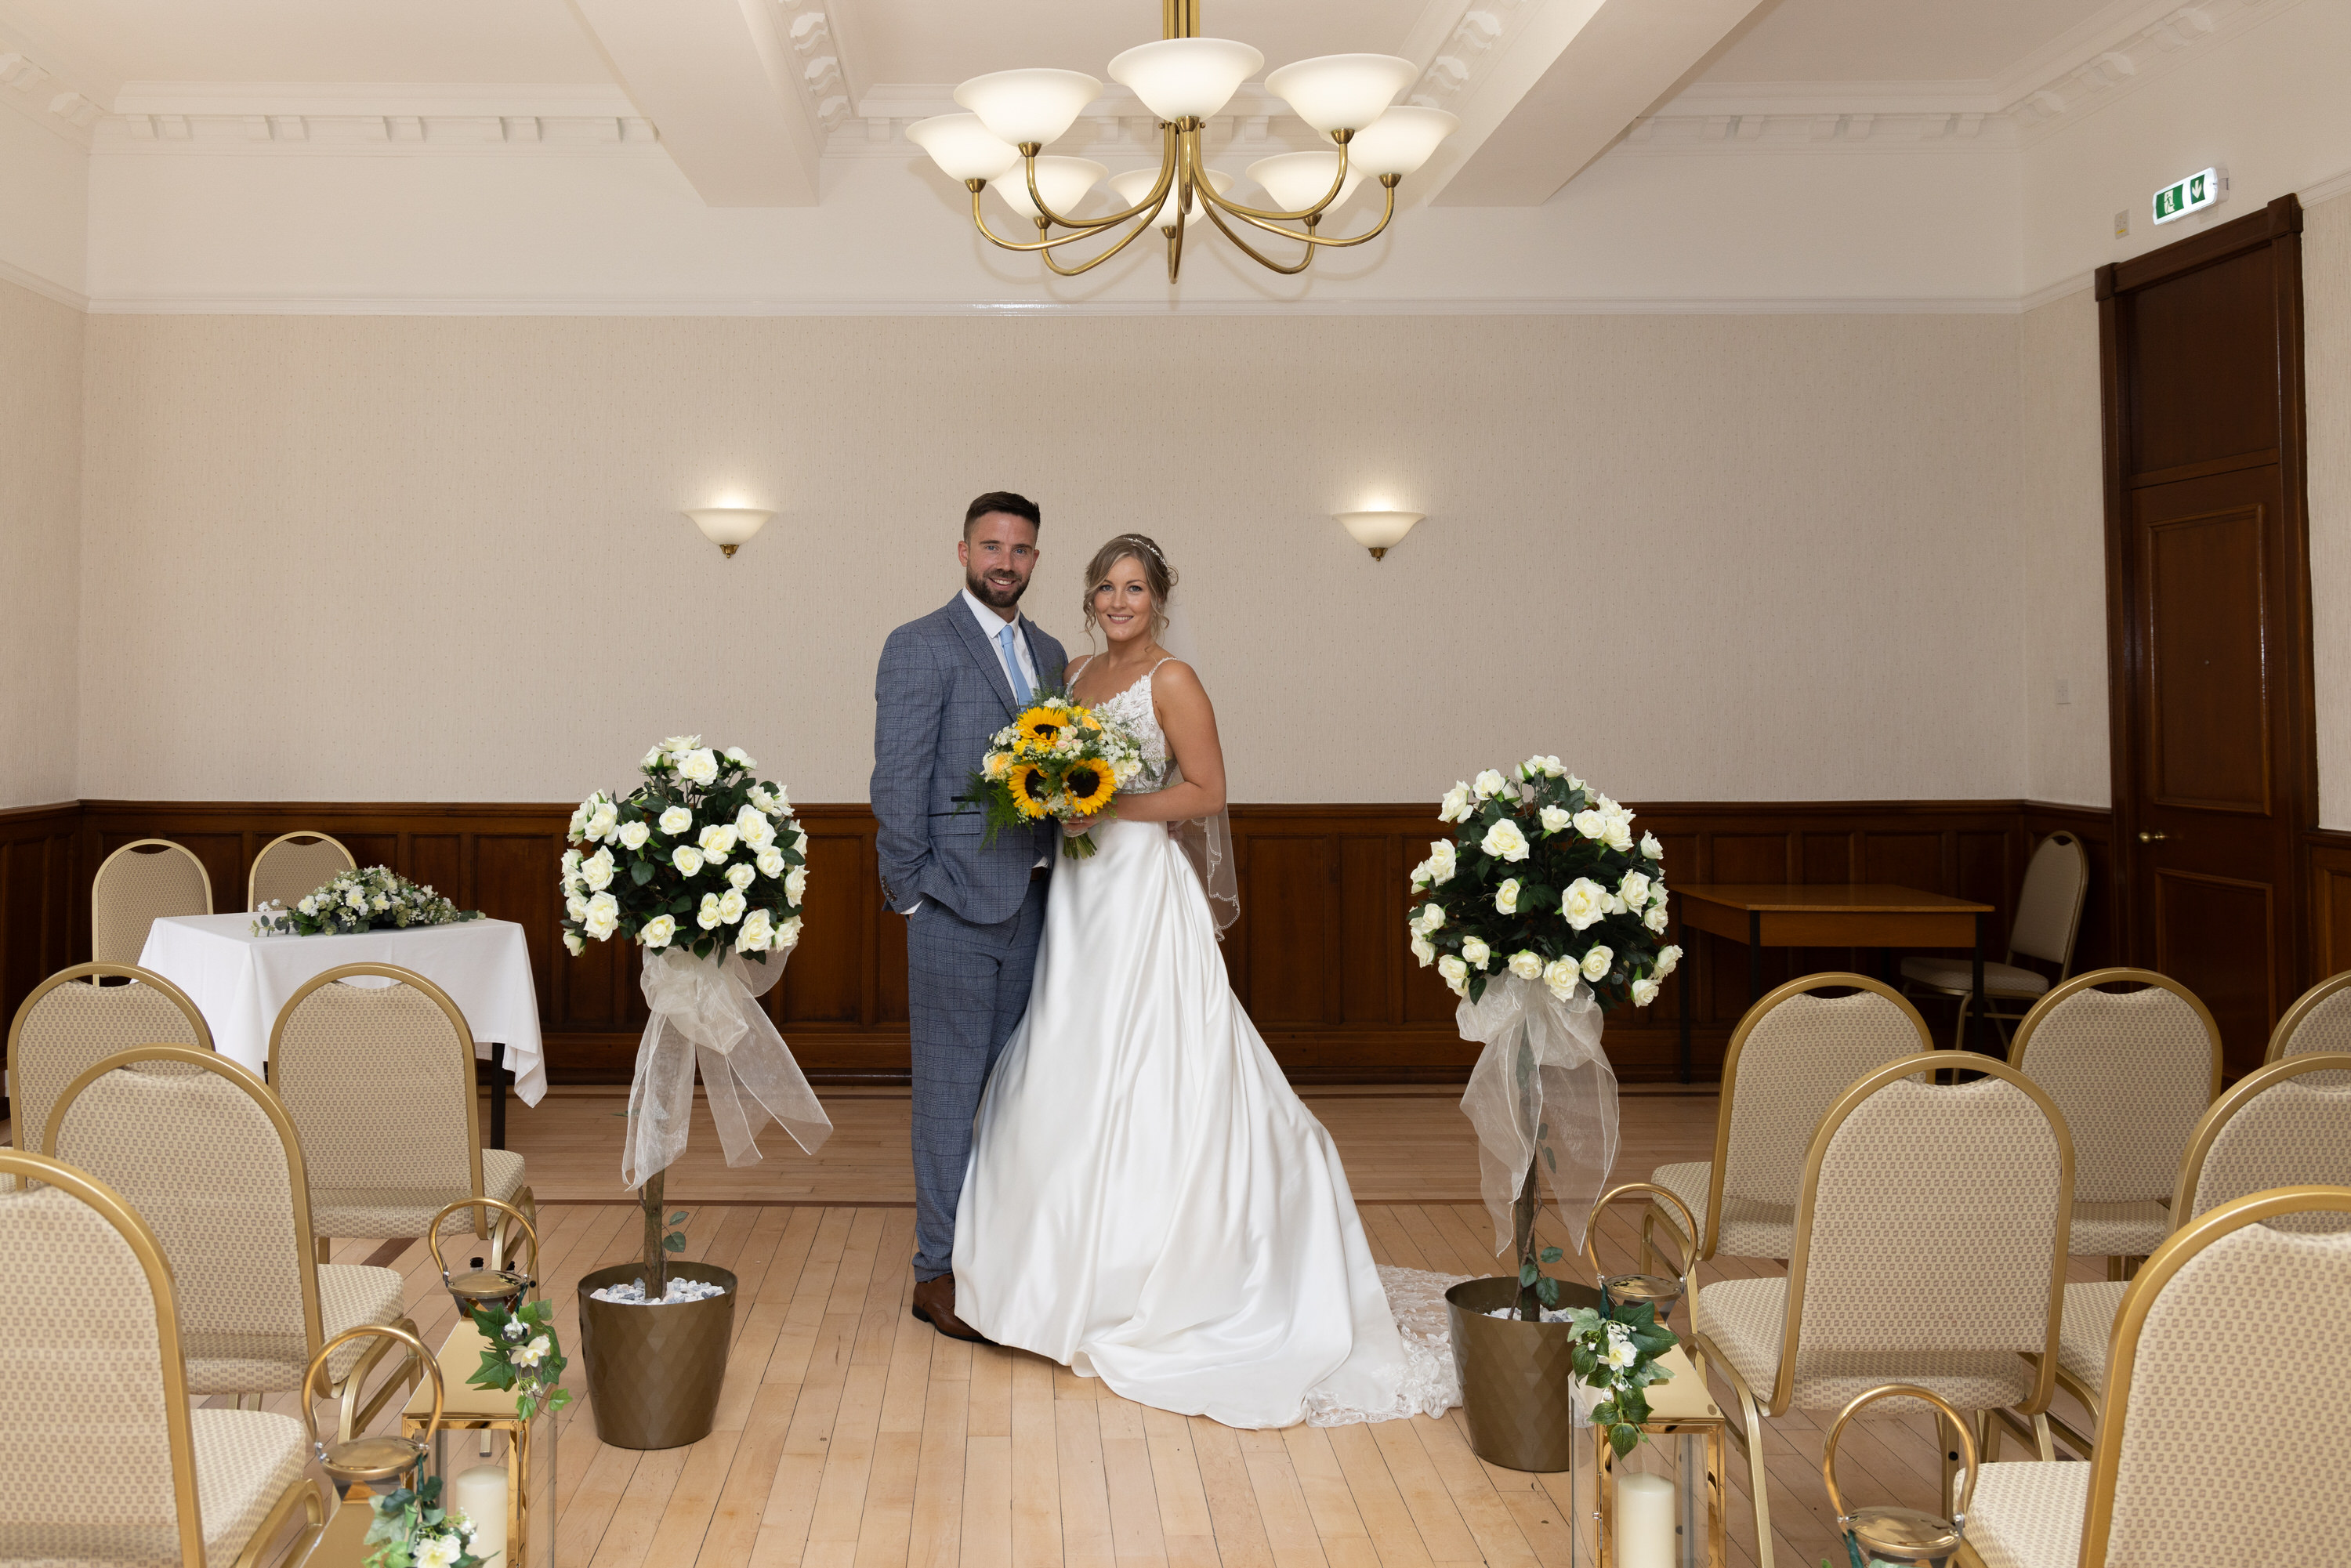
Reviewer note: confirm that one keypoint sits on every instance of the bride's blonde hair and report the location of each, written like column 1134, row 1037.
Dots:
column 1157, row 576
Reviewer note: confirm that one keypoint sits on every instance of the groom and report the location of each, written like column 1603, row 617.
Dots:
column 947, row 683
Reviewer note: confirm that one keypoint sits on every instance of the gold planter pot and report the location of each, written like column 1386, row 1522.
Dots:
column 1517, row 1385
column 655, row 1372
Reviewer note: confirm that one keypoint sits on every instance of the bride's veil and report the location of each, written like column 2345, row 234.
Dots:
column 1207, row 842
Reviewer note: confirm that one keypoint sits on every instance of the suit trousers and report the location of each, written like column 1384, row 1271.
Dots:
column 967, row 986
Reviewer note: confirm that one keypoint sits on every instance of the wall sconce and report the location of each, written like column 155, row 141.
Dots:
column 728, row 527
column 1375, row 532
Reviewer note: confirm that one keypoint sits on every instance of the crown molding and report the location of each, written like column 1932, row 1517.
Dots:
column 393, row 118
column 36, row 87
column 35, row 282
column 2079, row 283
column 2116, row 53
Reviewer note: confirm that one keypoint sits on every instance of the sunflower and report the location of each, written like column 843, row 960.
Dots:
column 1029, row 788
column 1039, row 728
column 1089, row 786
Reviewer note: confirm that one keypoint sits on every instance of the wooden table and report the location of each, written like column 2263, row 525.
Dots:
column 1826, row 915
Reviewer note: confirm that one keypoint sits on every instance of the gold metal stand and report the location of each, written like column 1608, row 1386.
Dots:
column 530, row 1445
column 1681, row 1408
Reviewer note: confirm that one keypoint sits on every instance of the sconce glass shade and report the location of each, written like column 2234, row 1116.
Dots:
column 1401, row 141
column 1296, row 181
column 1135, row 185
column 1064, row 182
column 962, row 147
column 1022, row 106
column 1341, row 92
column 1376, row 531
column 728, row 527
column 1187, row 78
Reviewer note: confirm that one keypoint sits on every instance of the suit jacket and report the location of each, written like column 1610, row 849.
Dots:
column 939, row 697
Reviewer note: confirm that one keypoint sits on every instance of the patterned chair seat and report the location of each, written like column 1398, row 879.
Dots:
column 397, row 1212
column 350, row 1296
column 2119, row 1230
column 2029, row 1514
column 1749, row 1227
column 2087, row 1327
column 244, row 1462
column 1747, row 1319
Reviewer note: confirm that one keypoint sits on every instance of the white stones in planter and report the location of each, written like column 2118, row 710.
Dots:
column 680, row 1290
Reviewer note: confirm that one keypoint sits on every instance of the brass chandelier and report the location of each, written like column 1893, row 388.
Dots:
column 1184, row 80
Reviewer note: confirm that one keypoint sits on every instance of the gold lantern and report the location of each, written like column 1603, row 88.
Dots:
column 1882, row 1533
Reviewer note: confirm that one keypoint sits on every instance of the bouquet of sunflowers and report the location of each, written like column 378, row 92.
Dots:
column 1057, row 760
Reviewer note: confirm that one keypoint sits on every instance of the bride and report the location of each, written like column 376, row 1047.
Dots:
column 1147, row 1202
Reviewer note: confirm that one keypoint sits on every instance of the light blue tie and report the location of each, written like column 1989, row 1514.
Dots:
column 1012, row 666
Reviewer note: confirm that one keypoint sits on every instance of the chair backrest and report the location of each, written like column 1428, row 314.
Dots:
column 2320, row 1019
column 2172, row 1479
column 1789, row 1059
column 2287, row 1125
column 1934, row 1217
column 208, row 1155
column 292, row 866
column 136, row 885
column 2049, row 906
column 96, row 1451
column 379, row 1079
column 68, row 1023
column 2133, row 1071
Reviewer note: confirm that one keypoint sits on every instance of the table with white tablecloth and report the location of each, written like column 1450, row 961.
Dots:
column 240, row 981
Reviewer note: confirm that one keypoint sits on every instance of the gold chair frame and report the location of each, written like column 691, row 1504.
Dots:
column 1748, row 1436
column 1710, row 1222
column 2001, row 1021
column 354, row 1415
column 2180, row 1247
column 253, row 872
column 180, row 1434
column 98, row 879
column 482, row 1230
column 93, row 974
column 2303, row 1006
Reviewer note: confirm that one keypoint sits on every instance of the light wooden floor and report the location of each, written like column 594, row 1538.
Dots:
column 850, row 1434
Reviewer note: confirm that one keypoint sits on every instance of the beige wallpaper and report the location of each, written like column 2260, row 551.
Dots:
column 2327, row 370
column 2064, row 565
column 41, row 496
column 1698, row 556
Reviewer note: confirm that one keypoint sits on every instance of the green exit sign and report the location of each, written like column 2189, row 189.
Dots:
column 2190, row 195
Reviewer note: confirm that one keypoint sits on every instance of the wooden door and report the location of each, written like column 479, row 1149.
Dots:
column 2209, row 604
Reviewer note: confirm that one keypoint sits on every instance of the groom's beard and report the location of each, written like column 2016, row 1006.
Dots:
column 996, row 595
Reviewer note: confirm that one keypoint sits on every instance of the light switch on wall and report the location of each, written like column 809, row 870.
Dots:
column 2064, row 691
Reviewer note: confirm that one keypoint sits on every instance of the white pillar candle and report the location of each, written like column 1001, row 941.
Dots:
column 1645, row 1521
column 480, row 1494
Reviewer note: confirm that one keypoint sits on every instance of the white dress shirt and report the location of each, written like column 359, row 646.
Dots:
column 991, row 625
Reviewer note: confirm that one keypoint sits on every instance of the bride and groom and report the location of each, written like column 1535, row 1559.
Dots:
column 1110, row 1169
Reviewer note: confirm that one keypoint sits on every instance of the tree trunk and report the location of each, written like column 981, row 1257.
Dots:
column 1522, row 1241
column 656, row 1260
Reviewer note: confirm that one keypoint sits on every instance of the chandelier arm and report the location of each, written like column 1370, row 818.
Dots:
column 1142, row 227
column 1169, row 156
column 1316, row 239
column 979, row 221
column 1257, row 255
column 1209, row 194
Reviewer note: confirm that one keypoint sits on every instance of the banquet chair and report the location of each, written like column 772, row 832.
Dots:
column 292, row 866
column 136, row 885
column 2174, row 1481
column 2320, row 1019
column 2048, row 919
column 206, row 1153
column 66, row 1024
column 1789, row 1059
column 2133, row 1072
column 379, row 1081
column 102, row 1458
column 1929, row 1249
column 2287, row 1125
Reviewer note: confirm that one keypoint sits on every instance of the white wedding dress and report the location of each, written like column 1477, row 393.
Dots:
column 1147, row 1201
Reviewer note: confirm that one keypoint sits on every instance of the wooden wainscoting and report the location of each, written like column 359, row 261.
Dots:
column 42, row 879
column 1319, row 954
column 2326, row 882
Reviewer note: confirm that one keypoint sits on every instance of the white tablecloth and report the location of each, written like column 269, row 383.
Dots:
column 240, row 981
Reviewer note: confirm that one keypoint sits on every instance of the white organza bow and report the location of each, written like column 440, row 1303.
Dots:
column 707, row 1009
column 1542, row 1089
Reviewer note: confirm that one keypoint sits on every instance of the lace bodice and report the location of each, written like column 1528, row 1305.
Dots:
column 1133, row 709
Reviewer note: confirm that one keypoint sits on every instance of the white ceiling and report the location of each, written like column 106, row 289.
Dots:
column 1895, row 40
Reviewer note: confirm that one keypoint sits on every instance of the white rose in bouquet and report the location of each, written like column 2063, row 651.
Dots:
column 756, row 935
column 1584, row 903
column 1554, row 819
column 1634, row 890
column 699, row 767
column 633, row 835
column 731, row 905
column 687, row 859
column 788, row 932
column 573, row 943
column 596, row 871
column 1504, row 841
column 575, row 907
column 770, row 862
column 677, row 746
column 1476, row 953
column 740, row 876
column 1506, row 897
column 1651, row 849
column 603, row 916
column 717, row 842
column 1591, row 824
column 675, row 821
column 1668, row 960
column 1526, row 966
column 795, row 885
column 1455, row 807
column 1421, row 950
column 1488, row 784
column 650, row 760
column 657, row 932
column 1596, row 962
column 735, row 755
column 1655, row 919
column 1560, row 974
column 708, row 915
column 1645, row 991
column 1456, row 973
column 758, row 833
column 1440, row 862
column 604, row 821
column 1430, row 919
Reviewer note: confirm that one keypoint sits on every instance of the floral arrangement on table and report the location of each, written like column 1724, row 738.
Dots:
column 364, row 900
column 1058, row 760
column 703, row 855
column 520, row 1352
column 1542, row 879
column 1616, row 1351
column 410, row 1529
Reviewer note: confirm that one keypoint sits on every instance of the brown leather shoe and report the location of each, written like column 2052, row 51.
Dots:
column 935, row 1304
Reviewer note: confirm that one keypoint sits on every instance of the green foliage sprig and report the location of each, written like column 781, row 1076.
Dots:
column 523, row 1355
column 410, row 1529
column 1617, row 1350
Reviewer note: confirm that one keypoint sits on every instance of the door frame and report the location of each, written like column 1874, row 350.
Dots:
column 2278, row 227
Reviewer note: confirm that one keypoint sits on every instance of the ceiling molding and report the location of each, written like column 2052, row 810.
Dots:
column 397, row 119
column 2118, row 51
column 35, row 282
column 38, row 88
column 2078, row 284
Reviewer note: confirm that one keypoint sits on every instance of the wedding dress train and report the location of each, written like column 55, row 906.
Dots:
column 1147, row 1202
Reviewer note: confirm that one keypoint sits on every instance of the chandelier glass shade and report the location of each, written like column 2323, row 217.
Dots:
column 1184, row 80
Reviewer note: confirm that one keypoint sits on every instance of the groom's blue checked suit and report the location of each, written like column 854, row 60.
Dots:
column 941, row 695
